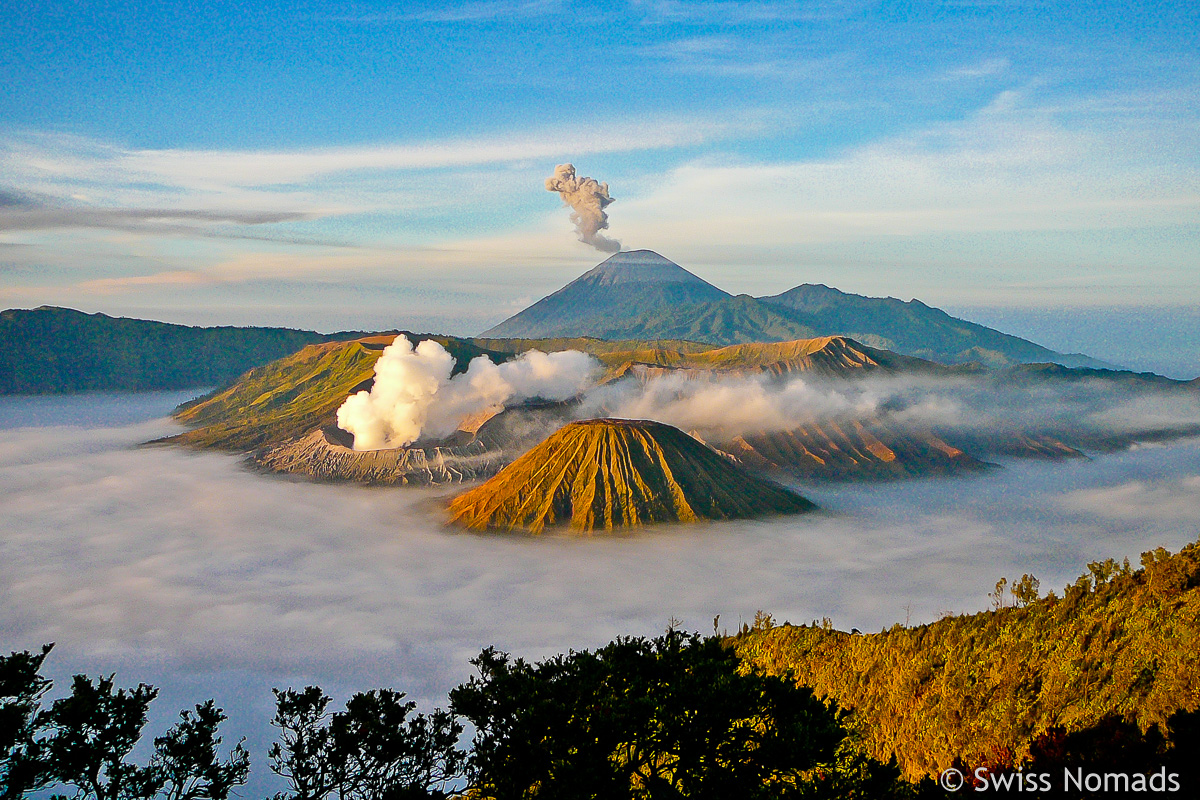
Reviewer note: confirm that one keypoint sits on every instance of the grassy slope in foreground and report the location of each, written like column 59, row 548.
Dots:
column 610, row 474
column 983, row 687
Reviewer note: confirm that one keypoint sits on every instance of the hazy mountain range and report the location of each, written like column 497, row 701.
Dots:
column 635, row 295
column 50, row 350
column 639, row 294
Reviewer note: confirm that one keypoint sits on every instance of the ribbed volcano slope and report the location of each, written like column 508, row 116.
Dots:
column 637, row 279
column 619, row 473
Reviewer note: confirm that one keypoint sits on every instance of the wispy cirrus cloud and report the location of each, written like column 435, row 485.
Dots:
column 80, row 159
column 156, row 281
column 727, row 56
column 986, row 68
column 56, row 181
column 481, row 11
column 135, row 219
column 1011, row 166
column 743, row 12
column 1030, row 198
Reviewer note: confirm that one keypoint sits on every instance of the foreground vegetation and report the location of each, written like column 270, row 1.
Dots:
column 1116, row 652
column 1103, row 678
column 674, row 716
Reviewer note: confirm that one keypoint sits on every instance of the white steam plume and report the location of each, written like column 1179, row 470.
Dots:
column 587, row 199
column 414, row 394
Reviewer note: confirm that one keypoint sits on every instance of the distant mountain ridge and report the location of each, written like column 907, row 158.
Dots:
column 51, row 350
column 640, row 294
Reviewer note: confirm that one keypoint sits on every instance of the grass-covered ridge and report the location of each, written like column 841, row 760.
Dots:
column 1119, row 643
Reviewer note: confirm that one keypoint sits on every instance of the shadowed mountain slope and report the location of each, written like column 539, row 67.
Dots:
column 828, row 356
column 326, row 455
column 850, row 450
column 641, row 295
column 913, row 328
column 285, row 412
column 607, row 474
column 295, row 395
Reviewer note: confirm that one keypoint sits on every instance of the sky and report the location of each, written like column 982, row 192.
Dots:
column 372, row 165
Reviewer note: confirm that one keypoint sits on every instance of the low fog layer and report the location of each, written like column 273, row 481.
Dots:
column 183, row 569
column 978, row 413
column 746, row 404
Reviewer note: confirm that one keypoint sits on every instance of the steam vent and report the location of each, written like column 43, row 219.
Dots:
column 607, row 474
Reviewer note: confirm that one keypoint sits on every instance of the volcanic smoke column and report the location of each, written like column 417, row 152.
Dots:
column 587, row 198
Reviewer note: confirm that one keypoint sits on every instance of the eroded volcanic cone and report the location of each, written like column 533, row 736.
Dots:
column 609, row 473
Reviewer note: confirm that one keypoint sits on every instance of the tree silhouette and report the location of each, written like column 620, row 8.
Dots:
column 371, row 751
column 23, row 767
column 186, row 758
column 84, row 741
column 667, row 717
column 94, row 730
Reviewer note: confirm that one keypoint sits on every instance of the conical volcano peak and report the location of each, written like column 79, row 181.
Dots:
column 606, row 474
column 638, row 266
column 632, row 279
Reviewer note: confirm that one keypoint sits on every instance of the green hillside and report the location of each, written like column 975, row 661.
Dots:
column 58, row 350
column 609, row 474
column 1118, row 647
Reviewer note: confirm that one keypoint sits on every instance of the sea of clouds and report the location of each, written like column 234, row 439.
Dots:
column 186, row 570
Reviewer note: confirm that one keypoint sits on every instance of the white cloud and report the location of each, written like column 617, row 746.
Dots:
column 479, row 11
column 75, row 160
column 744, row 12
column 959, row 211
column 1007, row 168
column 986, row 68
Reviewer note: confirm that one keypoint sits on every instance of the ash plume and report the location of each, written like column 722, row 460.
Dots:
column 414, row 393
column 587, row 198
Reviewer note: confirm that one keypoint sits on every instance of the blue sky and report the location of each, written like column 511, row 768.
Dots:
column 374, row 165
